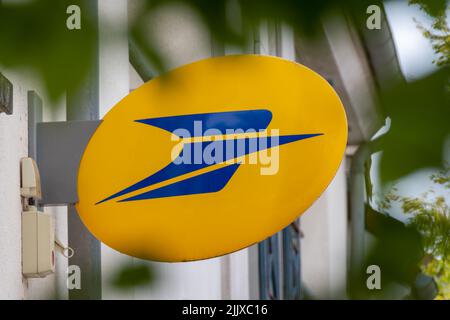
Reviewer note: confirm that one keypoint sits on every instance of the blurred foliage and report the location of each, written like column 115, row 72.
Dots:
column 397, row 251
column 133, row 275
column 420, row 113
column 430, row 216
column 434, row 8
column 33, row 33
column 300, row 14
column 221, row 18
column 439, row 33
column 440, row 271
column 442, row 177
column 33, row 36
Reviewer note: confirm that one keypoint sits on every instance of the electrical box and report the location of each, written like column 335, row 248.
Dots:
column 31, row 181
column 38, row 244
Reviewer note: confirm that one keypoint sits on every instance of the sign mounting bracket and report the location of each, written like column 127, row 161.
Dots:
column 59, row 148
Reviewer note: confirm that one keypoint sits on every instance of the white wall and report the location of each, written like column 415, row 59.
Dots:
column 324, row 245
column 113, row 86
column 14, row 146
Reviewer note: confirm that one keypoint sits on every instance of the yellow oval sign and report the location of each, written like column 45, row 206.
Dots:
column 211, row 158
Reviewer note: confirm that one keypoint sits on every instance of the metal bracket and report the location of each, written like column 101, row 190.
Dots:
column 34, row 117
column 60, row 146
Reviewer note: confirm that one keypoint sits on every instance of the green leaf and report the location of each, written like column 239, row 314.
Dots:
column 133, row 275
column 34, row 36
column 420, row 117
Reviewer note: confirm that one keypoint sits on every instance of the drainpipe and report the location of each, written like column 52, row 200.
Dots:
column 357, row 207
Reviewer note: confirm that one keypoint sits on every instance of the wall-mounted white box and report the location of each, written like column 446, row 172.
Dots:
column 38, row 244
column 30, row 179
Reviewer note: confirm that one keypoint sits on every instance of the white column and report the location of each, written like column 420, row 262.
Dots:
column 14, row 146
column 324, row 246
column 113, row 86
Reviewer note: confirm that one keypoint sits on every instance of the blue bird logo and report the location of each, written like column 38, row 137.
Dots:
column 187, row 161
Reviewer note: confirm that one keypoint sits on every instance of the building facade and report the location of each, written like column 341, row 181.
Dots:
column 310, row 258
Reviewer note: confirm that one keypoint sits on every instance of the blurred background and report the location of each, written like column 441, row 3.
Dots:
column 388, row 205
